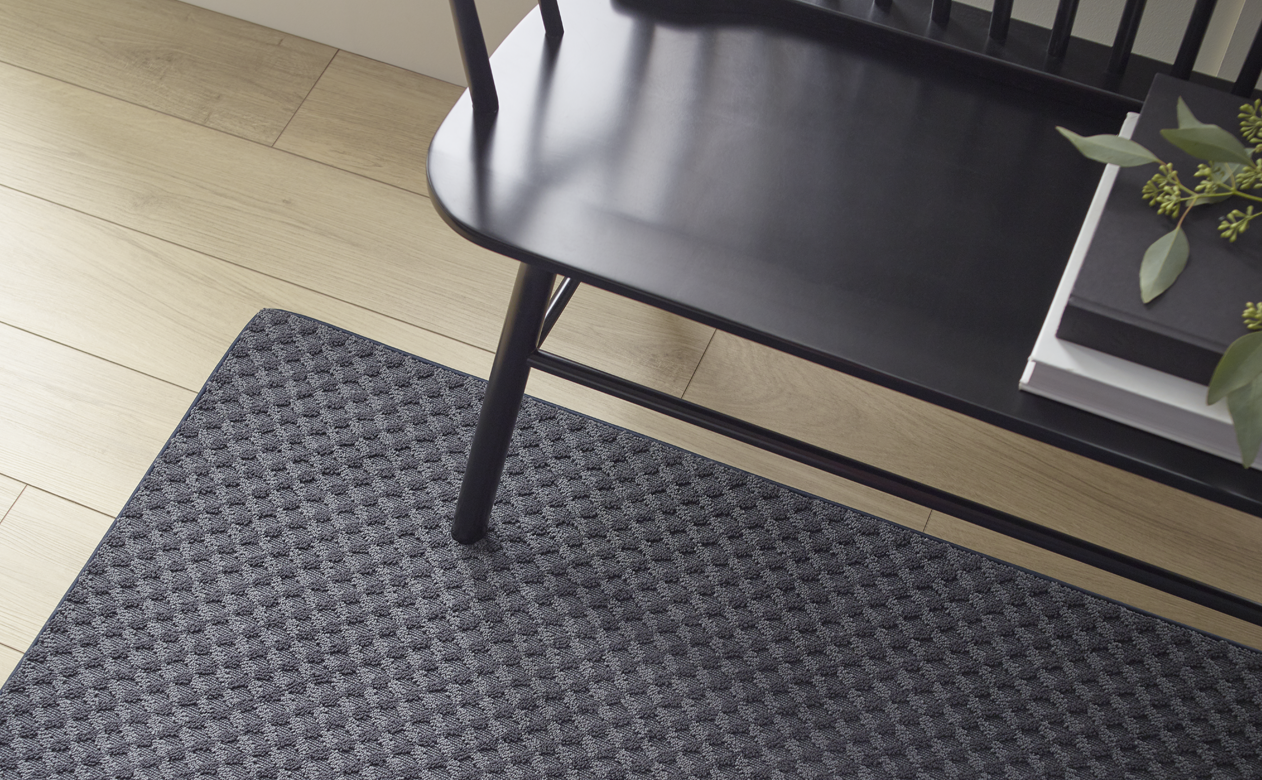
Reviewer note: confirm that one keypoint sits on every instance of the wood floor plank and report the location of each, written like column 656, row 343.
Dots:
column 371, row 118
column 358, row 240
column 725, row 450
column 629, row 339
column 176, row 58
column 8, row 662
column 1111, row 586
column 79, row 426
column 10, row 489
column 932, row 445
column 44, row 543
column 355, row 239
column 158, row 308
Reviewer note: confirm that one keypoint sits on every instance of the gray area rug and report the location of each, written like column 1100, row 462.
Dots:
column 280, row 599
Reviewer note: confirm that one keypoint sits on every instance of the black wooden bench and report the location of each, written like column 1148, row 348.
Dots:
column 878, row 188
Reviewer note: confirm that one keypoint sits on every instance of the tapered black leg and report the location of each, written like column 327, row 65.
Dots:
column 501, row 404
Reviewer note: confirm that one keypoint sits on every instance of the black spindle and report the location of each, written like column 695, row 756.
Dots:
column 1062, row 29
column 1000, row 15
column 941, row 12
column 1192, row 39
column 551, row 19
column 560, row 297
column 1252, row 67
column 477, row 63
column 1126, row 30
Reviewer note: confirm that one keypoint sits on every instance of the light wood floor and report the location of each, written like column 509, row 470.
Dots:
column 165, row 172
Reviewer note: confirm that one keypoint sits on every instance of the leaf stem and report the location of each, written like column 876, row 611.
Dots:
column 1186, row 211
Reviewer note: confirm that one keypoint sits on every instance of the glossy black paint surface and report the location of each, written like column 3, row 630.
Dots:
column 905, row 224
column 502, row 402
column 955, row 35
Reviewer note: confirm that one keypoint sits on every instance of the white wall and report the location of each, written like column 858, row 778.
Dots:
column 1246, row 28
column 413, row 34
column 419, row 35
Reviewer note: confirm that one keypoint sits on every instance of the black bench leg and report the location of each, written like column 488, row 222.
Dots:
column 503, row 397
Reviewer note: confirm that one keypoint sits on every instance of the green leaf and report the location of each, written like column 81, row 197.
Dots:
column 1239, row 365
column 1186, row 119
column 1111, row 149
column 1163, row 262
column 1208, row 142
column 1245, row 406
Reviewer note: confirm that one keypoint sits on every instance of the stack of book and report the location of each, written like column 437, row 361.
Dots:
column 1147, row 365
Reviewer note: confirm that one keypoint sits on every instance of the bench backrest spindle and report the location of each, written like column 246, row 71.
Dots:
column 1251, row 69
column 1009, row 50
column 1063, row 28
column 1198, row 24
column 551, row 14
column 1000, row 17
column 1124, row 41
column 477, row 63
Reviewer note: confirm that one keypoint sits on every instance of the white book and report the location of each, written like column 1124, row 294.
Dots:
column 1139, row 396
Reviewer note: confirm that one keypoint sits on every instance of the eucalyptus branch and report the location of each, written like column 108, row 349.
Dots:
column 1245, row 195
column 1186, row 211
column 1229, row 170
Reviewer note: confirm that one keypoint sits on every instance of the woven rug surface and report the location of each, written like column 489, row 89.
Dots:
column 281, row 599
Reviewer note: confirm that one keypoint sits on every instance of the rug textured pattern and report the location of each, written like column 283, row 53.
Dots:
column 281, row 599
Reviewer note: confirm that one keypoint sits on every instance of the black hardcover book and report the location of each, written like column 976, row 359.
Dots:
column 1185, row 330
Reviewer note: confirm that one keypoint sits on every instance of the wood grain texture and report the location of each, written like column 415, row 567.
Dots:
column 44, row 543
column 371, row 118
column 725, row 450
column 10, row 489
column 335, row 232
column 1111, row 586
column 626, row 338
column 9, row 658
column 179, row 59
column 360, row 241
column 941, row 448
column 159, row 308
column 77, row 425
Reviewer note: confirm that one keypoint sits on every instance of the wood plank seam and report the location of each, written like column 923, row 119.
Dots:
column 269, row 145
column 303, row 102
column 217, row 258
column 208, row 67
column 15, row 501
column 96, row 357
column 700, row 359
column 150, row 108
